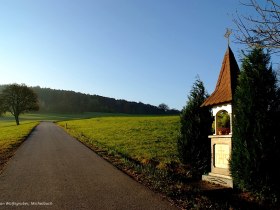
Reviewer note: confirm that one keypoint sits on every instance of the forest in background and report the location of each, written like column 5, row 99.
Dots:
column 64, row 101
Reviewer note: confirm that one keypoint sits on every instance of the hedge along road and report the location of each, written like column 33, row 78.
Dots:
column 52, row 170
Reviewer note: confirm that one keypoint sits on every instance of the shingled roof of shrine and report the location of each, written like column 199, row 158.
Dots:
column 226, row 83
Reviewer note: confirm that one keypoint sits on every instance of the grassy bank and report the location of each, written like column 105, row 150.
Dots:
column 11, row 136
column 143, row 139
column 37, row 116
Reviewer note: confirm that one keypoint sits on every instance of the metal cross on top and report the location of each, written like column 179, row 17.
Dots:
column 227, row 34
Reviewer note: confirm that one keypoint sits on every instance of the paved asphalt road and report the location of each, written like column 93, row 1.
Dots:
column 52, row 170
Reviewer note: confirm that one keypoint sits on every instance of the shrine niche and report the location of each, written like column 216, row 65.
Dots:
column 221, row 103
column 222, row 123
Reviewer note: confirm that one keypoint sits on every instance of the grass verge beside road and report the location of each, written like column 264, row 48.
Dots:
column 143, row 139
column 11, row 136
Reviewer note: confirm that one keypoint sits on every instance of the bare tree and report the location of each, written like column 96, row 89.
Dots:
column 262, row 29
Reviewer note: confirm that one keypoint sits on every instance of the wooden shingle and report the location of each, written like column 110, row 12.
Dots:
column 227, row 81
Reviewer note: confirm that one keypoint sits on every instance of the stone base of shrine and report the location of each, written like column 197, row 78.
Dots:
column 218, row 179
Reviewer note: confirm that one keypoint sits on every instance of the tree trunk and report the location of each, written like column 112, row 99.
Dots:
column 17, row 119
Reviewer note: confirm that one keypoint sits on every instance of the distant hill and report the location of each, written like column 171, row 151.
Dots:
column 62, row 101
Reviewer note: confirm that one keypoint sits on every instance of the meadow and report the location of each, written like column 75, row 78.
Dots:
column 143, row 138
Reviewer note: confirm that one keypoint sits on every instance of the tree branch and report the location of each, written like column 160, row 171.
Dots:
column 262, row 30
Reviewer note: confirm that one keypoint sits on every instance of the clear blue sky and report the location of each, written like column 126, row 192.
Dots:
column 137, row 50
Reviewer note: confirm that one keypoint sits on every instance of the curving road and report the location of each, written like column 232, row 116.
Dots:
column 52, row 170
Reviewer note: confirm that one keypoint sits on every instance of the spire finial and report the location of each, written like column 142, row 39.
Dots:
column 227, row 34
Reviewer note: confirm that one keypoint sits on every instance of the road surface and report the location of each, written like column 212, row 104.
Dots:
column 52, row 170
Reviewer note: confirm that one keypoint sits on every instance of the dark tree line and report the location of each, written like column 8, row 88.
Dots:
column 61, row 101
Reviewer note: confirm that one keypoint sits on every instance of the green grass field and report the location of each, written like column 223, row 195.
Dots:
column 56, row 117
column 140, row 138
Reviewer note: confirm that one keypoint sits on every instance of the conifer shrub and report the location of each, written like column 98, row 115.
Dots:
column 193, row 143
column 256, row 141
